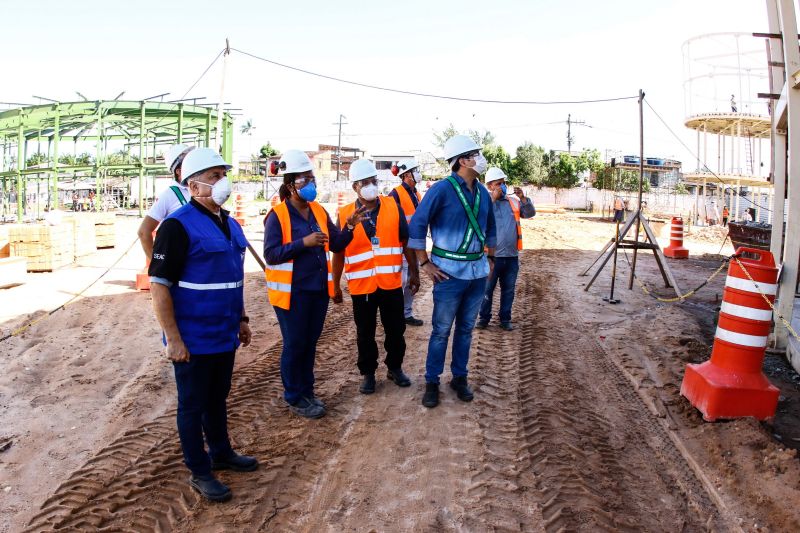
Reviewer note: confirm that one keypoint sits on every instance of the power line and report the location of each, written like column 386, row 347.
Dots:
column 697, row 157
column 427, row 95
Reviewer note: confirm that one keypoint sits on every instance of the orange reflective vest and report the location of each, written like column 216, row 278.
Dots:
column 372, row 265
column 279, row 277
column 406, row 202
column 515, row 206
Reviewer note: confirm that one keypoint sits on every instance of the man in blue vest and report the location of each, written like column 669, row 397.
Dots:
column 459, row 212
column 197, row 278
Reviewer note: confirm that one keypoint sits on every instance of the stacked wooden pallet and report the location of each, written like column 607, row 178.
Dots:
column 5, row 246
column 105, row 230
column 83, row 230
column 45, row 247
column 12, row 271
column 549, row 208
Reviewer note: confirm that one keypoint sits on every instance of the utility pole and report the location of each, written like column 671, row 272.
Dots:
column 570, row 138
column 339, row 148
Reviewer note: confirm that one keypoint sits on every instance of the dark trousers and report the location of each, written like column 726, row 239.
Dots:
column 203, row 386
column 301, row 326
column 365, row 313
column 618, row 215
column 505, row 271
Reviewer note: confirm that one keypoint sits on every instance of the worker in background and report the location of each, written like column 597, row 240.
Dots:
column 507, row 213
column 298, row 239
column 459, row 214
column 169, row 201
column 733, row 104
column 197, row 280
column 725, row 215
column 372, row 265
column 619, row 209
column 408, row 198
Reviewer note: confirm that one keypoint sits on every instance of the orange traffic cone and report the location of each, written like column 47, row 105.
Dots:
column 675, row 249
column 239, row 209
column 731, row 384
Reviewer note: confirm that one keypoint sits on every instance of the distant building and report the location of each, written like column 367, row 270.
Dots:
column 660, row 172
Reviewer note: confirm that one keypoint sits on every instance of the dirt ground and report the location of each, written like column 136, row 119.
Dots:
column 577, row 422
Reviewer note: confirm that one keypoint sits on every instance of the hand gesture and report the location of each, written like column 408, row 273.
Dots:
column 357, row 217
column 518, row 192
column 177, row 352
column 413, row 282
column 317, row 238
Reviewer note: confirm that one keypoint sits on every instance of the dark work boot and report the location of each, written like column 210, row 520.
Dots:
column 368, row 384
column 411, row 321
column 398, row 376
column 459, row 384
column 431, row 397
column 236, row 462
column 210, row 488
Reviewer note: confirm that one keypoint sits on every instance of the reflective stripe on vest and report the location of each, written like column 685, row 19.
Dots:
column 279, row 277
column 515, row 207
column 210, row 286
column 366, row 268
column 406, row 202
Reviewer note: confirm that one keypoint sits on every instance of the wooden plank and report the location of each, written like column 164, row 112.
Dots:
column 13, row 271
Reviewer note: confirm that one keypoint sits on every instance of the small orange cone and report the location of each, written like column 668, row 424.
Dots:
column 731, row 384
column 675, row 250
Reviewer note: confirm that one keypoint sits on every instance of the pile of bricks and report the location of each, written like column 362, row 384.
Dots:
column 45, row 247
column 83, row 229
column 104, row 230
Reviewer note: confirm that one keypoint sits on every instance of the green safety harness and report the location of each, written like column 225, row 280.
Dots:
column 473, row 229
column 178, row 193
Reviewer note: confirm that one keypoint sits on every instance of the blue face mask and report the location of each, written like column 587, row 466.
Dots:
column 504, row 189
column 309, row 192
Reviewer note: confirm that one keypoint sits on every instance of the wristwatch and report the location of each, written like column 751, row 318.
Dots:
column 245, row 319
column 350, row 227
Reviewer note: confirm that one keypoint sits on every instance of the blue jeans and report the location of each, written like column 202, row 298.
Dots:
column 505, row 271
column 301, row 326
column 203, row 385
column 453, row 300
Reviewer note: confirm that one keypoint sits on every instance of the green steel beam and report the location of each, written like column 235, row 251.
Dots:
column 56, row 138
column 20, row 162
column 141, row 162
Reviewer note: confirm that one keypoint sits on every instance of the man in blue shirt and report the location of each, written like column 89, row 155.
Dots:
column 458, row 211
column 507, row 213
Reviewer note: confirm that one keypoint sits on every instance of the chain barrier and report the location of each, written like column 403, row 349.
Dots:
column 685, row 295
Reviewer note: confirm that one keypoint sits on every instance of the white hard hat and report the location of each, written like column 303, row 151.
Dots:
column 295, row 161
column 458, row 145
column 404, row 165
column 199, row 160
column 173, row 156
column 361, row 169
column 495, row 174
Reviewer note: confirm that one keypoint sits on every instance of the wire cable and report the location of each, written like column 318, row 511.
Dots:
column 428, row 95
column 698, row 157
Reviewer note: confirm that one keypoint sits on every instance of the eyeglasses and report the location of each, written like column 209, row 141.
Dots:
column 471, row 155
column 302, row 182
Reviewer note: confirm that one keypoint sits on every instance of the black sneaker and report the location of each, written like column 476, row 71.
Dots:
column 399, row 377
column 411, row 321
column 368, row 384
column 508, row 326
column 236, row 462
column 431, row 397
column 307, row 409
column 210, row 488
column 481, row 324
column 459, row 384
column 316, row 401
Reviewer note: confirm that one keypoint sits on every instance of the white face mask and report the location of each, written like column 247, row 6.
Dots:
column 369, row 192
column 417, row 176
column 220, row 191
column 480, row 164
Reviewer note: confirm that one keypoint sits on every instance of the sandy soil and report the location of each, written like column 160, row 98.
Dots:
column 577, row 422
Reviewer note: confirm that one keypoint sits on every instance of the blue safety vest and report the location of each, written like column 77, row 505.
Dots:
column 209, row 297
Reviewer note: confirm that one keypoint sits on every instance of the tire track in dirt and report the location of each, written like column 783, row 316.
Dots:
column 138, row 482
column 599, row 459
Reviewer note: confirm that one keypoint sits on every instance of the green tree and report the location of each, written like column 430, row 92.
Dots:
column 529, row 165
column 589, row 160
column 680, row 188
column 496, row 156
column 36, row 159
column 268, row 151
column 484, row 138
column 441, row 137
column 563, row 171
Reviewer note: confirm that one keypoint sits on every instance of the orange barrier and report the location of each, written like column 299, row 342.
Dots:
column 239, row 208
column 675, row 250
column 731, row 384
column 142, row 277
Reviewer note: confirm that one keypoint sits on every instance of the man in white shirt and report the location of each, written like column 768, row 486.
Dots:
column 169, row 201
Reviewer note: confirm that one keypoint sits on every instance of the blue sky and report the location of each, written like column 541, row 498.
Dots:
column 534, row 50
